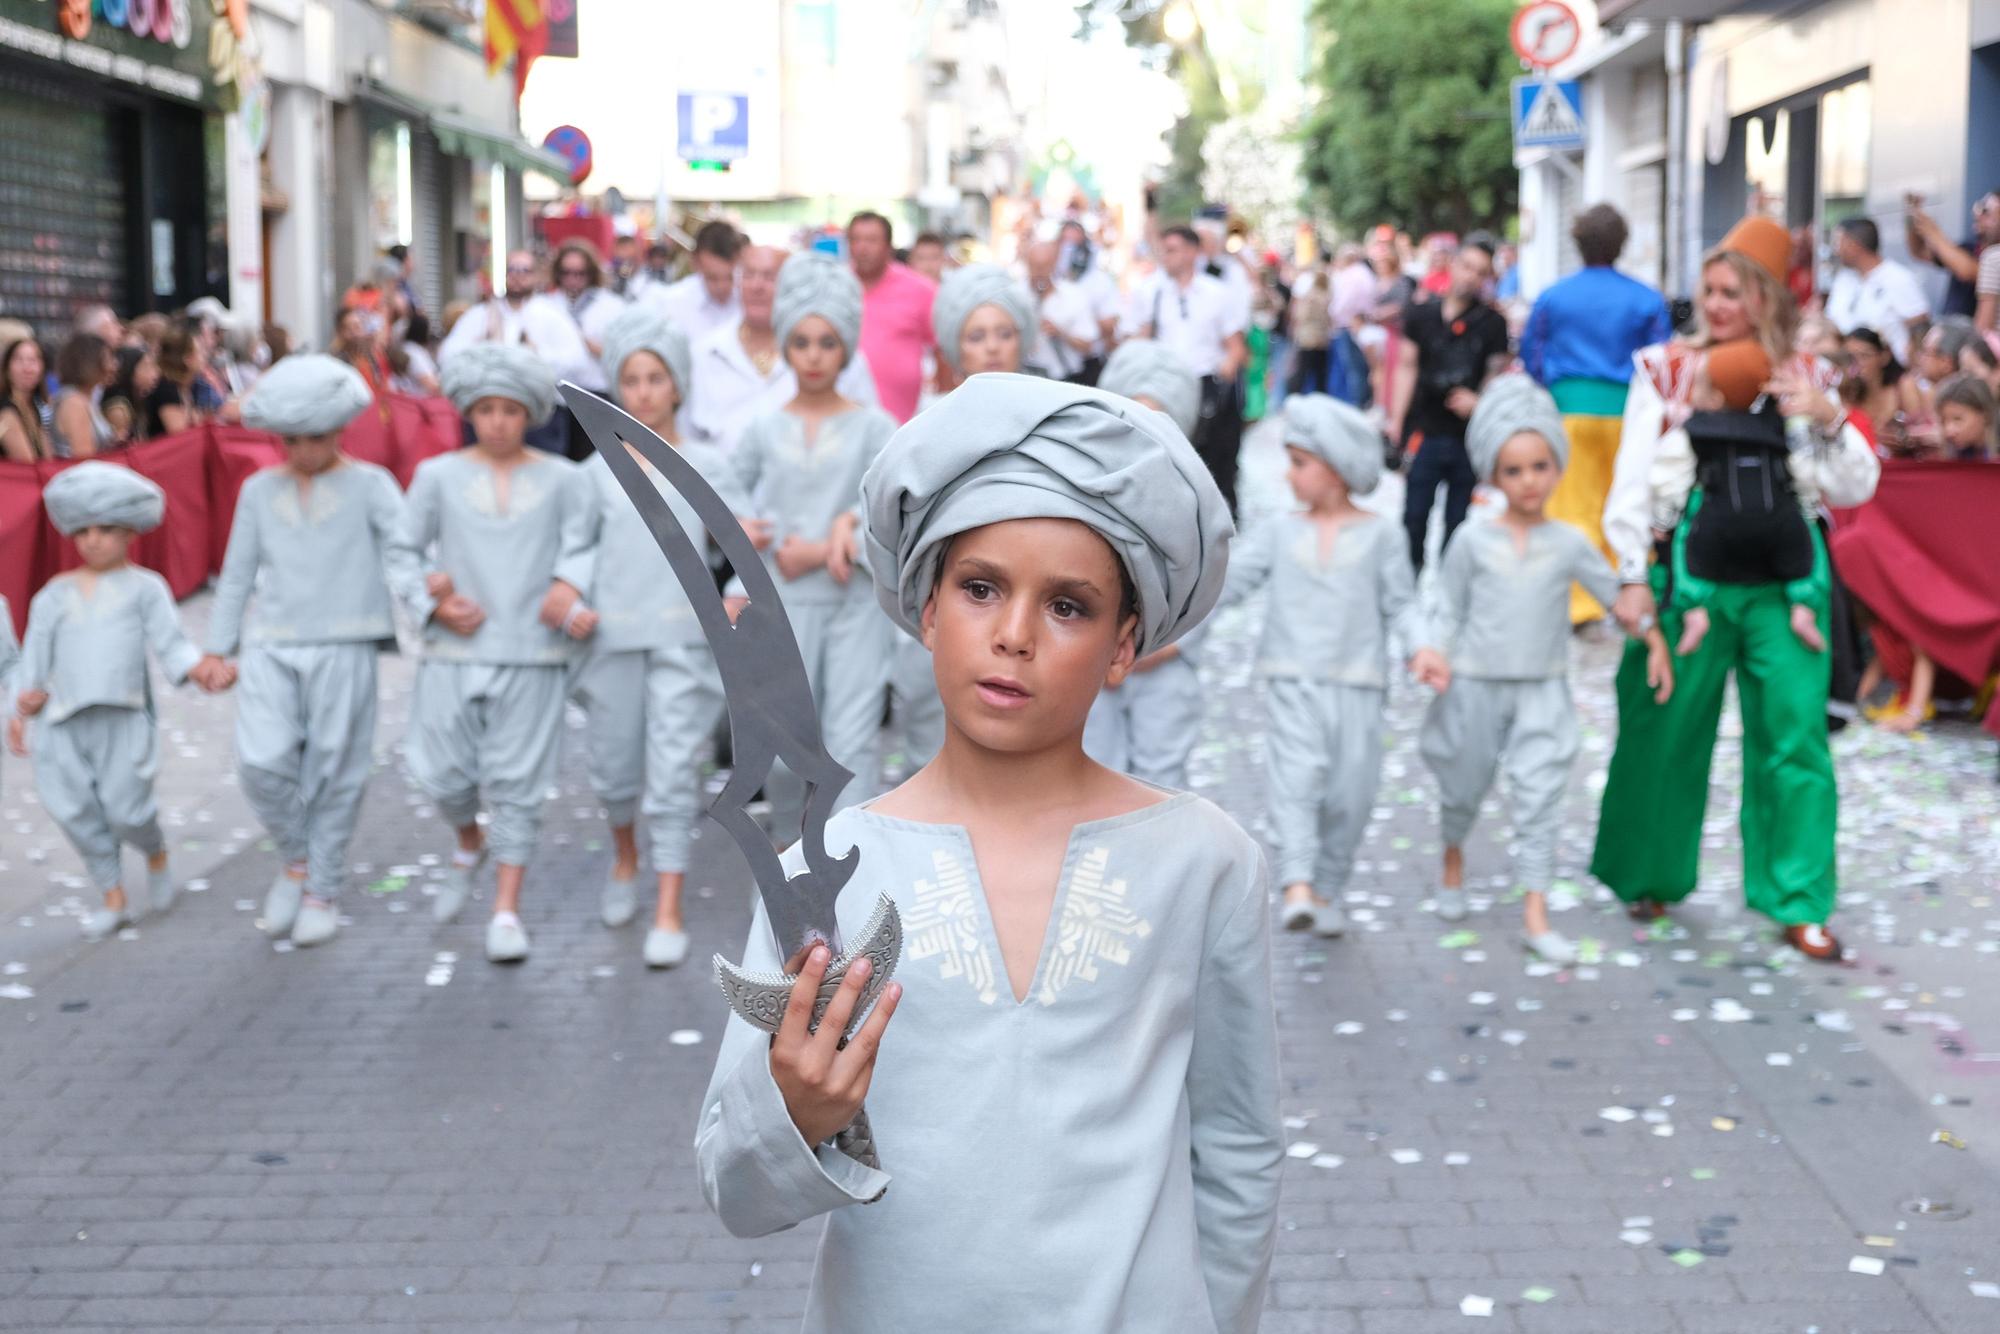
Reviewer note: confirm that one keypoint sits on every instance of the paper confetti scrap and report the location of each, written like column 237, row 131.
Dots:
column 1538, row 1294
column 684, row 1037
column 1687, row 1259
column 1872, row 1265
column 1474, row 1305
column 1302, row 1149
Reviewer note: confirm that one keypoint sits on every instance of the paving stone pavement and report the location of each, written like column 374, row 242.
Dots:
column 1690, row 1133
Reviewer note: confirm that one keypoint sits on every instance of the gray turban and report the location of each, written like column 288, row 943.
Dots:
column 1003, row 447
column 1143, row 368
column 1509, row 405
column 501, row 370
column 309, row 394
column 1343, row 436
column 812, row 283
column 103, row 495
column 965, row 290
column 644, row 329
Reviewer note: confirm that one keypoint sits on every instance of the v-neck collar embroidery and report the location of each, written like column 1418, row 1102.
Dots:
column 1082, row 874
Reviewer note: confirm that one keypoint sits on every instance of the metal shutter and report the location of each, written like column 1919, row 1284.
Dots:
column 62, row 202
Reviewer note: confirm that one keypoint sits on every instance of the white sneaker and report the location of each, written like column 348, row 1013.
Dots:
column 1299, row 916
column 1449, row 905
column 101, row 923
column 506, row 940
column 1330, row 921
column 281, row 905
column 160, row 889
column 664, row 948
column 455, row 889
column 619, row 901
column 317, row 923
column 1552, row 946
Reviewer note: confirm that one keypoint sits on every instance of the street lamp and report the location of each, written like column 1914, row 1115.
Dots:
column 1180, row 23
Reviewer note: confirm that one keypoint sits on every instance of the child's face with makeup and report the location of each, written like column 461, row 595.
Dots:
column 1025, row 626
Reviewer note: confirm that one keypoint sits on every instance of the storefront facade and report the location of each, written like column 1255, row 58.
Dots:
column 112, row 183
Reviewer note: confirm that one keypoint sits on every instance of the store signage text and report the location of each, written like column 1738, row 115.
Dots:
column 165, row 23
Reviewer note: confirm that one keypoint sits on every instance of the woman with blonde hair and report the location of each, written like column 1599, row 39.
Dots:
column 1649, row 830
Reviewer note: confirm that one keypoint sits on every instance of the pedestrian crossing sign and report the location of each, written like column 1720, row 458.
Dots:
column 1548, row 113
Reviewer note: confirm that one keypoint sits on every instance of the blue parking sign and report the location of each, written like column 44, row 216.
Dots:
column 1548, row 113
column 714, row 127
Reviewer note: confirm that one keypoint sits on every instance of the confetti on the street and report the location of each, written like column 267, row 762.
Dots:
column 1406, row 1157
column 1871, row 1265
column 1617, row 1114
column 16, row 991
column 684, row 1037
column 1538, row 1295
column 1473, row 1305
column 1301, row 1149
column 1687, row 1259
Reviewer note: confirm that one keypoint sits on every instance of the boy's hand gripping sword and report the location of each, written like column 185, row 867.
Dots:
column 771, row 718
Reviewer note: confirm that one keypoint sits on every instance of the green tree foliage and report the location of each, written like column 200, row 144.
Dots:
column 1411, row 123
column 1179, row 195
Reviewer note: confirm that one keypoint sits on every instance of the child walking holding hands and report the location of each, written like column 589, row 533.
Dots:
column 1079, row 1096
column 1504, row 612
column 83, row 678
column 487, row 525
column 314, row 541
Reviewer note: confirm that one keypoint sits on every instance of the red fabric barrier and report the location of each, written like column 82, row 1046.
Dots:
column 370, row 438
column 20, row 539
column 423, row 428
column 201, row 470
column 1924, row 557
column 179, row 547
column 237, row 452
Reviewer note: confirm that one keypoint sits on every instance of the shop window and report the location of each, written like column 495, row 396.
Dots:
column 1766, row 162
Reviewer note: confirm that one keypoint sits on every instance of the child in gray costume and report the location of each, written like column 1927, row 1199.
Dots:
column 1147, row 725
column 82, row 677
column 1343, row 603
column 802, row 467
column 1503, row 594
column 313, row 541
column 649, row 683
column 487, row 523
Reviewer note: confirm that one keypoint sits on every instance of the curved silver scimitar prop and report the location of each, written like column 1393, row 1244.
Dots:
column 772, row 718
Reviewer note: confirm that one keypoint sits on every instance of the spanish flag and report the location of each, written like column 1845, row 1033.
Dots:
column 516, row 28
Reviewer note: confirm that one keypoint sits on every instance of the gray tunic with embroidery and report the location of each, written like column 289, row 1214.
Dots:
column 609, row 555
column 1338, row 620
column 320, row 570
column 802, row 488
column 1504, row 612
column 503, row 559
column 1102, row 1155
column 91, row 650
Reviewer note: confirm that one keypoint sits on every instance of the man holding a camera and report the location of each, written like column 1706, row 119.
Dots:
column 1449, row 349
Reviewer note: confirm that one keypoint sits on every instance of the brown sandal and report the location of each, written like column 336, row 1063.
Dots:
column 1813, row 940
column 1646, row 910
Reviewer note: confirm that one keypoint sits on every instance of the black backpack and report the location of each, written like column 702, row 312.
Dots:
column 1749, row 528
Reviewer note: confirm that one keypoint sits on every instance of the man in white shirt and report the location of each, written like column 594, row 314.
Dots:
column 1195, row 315
column 1066, row 335
column 739, row 371
column 706, row 299
column 1083, row 264
column 536, row 320
column 1871, row 292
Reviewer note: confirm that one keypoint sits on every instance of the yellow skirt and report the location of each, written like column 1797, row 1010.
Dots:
column 1580, row 495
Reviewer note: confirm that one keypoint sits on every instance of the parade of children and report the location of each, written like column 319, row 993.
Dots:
column 1027, row 658
column 528, row 584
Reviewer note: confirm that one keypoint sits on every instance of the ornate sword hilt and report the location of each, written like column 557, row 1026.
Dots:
column 761, row 999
